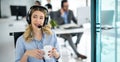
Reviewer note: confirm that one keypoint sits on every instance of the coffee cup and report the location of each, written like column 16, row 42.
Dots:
column 46, row 49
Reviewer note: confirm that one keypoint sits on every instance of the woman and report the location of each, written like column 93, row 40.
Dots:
column 29, row 47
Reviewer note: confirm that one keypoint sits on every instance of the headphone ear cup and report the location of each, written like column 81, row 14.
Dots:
column 46, row 21
column 28, row 18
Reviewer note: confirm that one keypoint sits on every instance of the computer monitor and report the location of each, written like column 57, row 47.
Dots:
column 107, row 17
column 83, row 15
column 18, row 11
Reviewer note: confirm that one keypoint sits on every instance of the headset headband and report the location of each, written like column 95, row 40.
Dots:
column 28, row 18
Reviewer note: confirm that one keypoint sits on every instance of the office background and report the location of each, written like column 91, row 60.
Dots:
column 107, row 31
column 5, row 5
column 107, row 40
column 8, row 23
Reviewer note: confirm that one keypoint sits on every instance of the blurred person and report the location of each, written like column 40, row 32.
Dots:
column 38, row 3
column 38, row 34
column 65, row 16
column 49, row 5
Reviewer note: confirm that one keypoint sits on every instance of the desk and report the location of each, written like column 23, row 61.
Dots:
column 57, row 31
column 22, row 27
column 65, row 31
column 62, row 30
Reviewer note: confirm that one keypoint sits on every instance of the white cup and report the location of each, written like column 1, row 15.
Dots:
column 46, row 49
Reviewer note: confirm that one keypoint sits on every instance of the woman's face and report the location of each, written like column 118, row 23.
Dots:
column 37, row 19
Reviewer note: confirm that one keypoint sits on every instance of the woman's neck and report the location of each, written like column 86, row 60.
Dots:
column 38, row 34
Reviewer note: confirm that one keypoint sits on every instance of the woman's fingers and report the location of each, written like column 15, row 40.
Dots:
column 39, row 56
column 52, row 52
column 36, row 53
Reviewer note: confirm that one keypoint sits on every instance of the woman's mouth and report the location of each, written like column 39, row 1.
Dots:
column 38, row 25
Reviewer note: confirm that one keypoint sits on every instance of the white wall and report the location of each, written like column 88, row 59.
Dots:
column 55, row 4
column 5, row 5
column 73, row 4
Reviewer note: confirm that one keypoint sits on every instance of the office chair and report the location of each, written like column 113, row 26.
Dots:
column 16, row 36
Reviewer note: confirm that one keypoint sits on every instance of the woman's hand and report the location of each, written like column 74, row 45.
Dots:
column 53, row 53
column 36, row 53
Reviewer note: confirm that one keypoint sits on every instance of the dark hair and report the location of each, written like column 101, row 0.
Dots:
column 62, row 2
column 49, row 6
column 38, row 2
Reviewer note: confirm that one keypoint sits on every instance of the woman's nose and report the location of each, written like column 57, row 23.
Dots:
column 38, row 20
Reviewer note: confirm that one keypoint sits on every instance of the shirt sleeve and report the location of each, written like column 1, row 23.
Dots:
column 20, row 49
column 56, row 45
column 73, row 17
column 55, row 41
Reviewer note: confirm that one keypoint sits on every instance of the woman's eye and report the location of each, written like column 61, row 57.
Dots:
column 41, row 17
column 34, row 16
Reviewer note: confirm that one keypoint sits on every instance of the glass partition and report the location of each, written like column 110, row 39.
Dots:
column 108, row 45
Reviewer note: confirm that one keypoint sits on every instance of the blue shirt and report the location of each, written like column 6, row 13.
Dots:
column 22, row 46
column 65, row 16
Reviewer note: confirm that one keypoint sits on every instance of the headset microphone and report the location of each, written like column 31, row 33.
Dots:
column 40, row 26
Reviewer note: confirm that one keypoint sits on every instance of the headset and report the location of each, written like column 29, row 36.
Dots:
column 28, row 16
